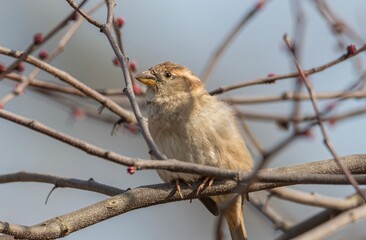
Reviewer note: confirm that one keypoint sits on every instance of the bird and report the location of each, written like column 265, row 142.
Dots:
column 188, row 124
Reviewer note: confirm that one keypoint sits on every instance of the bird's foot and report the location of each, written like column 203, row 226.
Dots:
column 207, row 182
column 177, row 185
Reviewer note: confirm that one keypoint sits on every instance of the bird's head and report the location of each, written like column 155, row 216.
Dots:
column 170, row 78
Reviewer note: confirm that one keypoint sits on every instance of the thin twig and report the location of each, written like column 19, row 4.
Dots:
column 318, row 219
column 270, row 213
column 35, row 45
column 32, row 75
column 299, row 38
column 61, row 182
column 218, row 53
column 272, row 79
column 251, row 136
column 352, row 161
column 284, row 119
column 50, row 86
column 85, row 15
column 312, row 199
column 327, row 142
column 335, row 224
column 153, row 149
column 105, row 101
column 293, row 96
column 47, row 86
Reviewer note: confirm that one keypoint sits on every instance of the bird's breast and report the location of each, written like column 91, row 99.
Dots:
column 206, row 136
column 179, row 136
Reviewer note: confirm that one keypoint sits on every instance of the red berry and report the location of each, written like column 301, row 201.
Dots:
column 116, row 62
column 260, row 4
column 20, row 67
column 131, row 170
column 43, row 54
column 330, row 107
column 351, row 49
column 2, row 68
column 308, row 133
column 132, row 65
column 1, row 106
column 132, row 128
column 271, row 74
column 137, row 89
column 332, row 122
column 38, row 38
column 75, row 16
column 120, row 21
column 78, row 113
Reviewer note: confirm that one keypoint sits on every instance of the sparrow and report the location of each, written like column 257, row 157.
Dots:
column 188, row 124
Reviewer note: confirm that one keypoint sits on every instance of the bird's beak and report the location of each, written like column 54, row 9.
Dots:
column 146, row 78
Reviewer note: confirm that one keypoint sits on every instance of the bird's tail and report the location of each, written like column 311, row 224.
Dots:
column 235, row 220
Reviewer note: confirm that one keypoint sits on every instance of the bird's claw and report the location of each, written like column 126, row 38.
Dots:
column 207, row 182
column 177, row 186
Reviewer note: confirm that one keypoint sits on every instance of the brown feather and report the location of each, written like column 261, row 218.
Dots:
column 190, row 125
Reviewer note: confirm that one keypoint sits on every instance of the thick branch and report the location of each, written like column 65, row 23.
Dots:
column 139, row 198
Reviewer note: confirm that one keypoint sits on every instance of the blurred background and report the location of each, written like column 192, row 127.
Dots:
column 186, row 32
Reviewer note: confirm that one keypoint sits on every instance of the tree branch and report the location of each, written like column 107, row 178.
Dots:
column 64, row 76
column 313, row 199
column 145, row 196
column 335, row 224
column 318, row 219
column 220, row 50
column 274, row 78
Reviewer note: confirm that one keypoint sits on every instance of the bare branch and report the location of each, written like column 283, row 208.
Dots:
column 62, row 182
column 292, row 96
column 153, row 149
column 327, row 142
column 353, row 162
column 314, row 199
column 335, row 224
column 278, row 118
column 64, row 76
column 144, row 196
column 25, row 81
column 274, row 78
column 270, row 213
column 35, row 45
column 47, row 85
column 85, row 15
column 318, row 219
column 106, row 29
column 218, row 53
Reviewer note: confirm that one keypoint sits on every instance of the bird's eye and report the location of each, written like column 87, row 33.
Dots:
column 167, row 74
